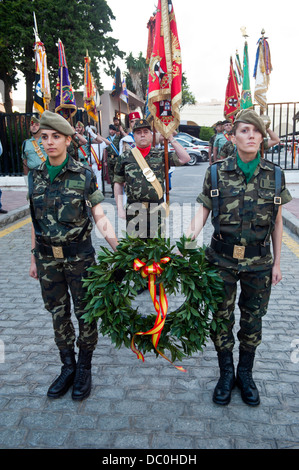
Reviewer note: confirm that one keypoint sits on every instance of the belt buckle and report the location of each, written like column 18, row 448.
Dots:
column 149, row 175
column 57, row 252
column 277, row 200
column 239, row 252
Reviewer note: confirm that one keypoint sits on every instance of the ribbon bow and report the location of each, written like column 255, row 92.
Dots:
column 161, row 307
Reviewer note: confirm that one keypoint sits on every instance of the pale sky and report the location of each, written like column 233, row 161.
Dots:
column 209, row 33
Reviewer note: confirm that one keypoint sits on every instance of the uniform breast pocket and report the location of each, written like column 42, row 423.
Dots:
column 264, row 207
column 70, row 207
column 38, row 200
column 229, row 206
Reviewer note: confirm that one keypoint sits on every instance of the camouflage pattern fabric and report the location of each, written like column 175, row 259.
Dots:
column 112, row 157
column 115, row 141
column 227, row 150
column 60, row 207
column 146, row 222
column 111, row 161
column 61, row 214
column 245, row 216
column 137, row 187
column 56, row 277
column 245, row 209
column 253, row 303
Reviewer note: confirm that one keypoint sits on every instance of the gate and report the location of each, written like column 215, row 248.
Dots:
column 14, row 129
column 284, row 122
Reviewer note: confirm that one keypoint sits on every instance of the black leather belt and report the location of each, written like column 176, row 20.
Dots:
column 145, row 203
column 64, row 251
column 239, row 251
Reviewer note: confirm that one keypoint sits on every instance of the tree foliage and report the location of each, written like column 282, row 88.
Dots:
column 80, row 24
column 136, row 76
column 187, row 96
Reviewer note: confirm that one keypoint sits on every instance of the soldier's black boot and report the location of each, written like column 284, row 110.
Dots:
column 82, row 382
column 66, row 378
column 245, row 382
column 223, row 389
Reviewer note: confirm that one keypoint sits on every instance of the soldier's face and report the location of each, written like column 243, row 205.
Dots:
column 34, row 128
column 55, row 144
column 227, row 127
column 247, row 139
column 143, row 137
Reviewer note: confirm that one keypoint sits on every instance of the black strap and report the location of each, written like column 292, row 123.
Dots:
column 35, row 223
column 215, row 199
column 250, row 250
column 71, row 250
column 276, row 202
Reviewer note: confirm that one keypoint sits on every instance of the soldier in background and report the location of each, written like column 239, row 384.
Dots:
column 218, row 127
column 64, row 202
column 143, row 198
column 33, row 152
column 221, row 138
column 245, row 194
column 112, row 153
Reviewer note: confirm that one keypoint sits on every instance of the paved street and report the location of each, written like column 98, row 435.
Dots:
column 135, row 405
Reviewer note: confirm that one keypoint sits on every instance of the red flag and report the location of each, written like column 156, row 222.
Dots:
column 151, row 37
column 232, row 96
column 165, row 72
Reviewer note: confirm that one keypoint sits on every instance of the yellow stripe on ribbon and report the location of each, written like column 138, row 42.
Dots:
column 161, row 306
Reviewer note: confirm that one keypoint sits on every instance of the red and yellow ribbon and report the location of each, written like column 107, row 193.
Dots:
column 161, row 307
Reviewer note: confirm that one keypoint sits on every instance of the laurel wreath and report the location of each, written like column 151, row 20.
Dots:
column 109, row 298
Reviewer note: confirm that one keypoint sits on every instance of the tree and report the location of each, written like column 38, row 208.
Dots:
column 80, row 24
column 187, row 95
column 136, row 77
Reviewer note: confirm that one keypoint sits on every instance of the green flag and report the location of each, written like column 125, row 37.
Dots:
column 246, row 100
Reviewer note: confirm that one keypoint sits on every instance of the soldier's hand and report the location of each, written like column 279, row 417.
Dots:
column 33, row 270
column 276, row 275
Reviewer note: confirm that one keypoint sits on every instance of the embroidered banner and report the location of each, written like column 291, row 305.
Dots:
column 165, row 72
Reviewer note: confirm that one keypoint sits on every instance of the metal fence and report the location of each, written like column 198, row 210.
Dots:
column 284, row 122
column 14, row 129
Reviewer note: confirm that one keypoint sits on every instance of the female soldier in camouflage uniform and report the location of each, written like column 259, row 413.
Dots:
column 64, row 199
column 245, row 194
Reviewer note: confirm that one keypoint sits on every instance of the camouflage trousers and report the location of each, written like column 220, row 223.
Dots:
column 111, row 161
column 255, row 289
column 60, row 281
column 145, row 220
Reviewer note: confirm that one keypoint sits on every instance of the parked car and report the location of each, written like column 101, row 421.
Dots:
column 203, row 144
column 197, row 153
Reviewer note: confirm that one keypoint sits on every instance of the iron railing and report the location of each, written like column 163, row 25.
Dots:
column 14, row 129
column 284, row 118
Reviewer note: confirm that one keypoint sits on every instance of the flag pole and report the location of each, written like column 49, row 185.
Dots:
column 166, row 162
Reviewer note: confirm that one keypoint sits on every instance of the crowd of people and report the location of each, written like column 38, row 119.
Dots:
column 221, row 145
column 242, row 191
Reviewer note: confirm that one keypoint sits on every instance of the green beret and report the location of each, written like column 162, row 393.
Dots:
column 55, row 122
column 34, row 119
column 141, row 124
column 249, row 116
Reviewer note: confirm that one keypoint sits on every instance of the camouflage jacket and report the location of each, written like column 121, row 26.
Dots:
column 227, row 150
column 245, row 209
column 59, row 207
column 137, row 188
column 110, row 150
